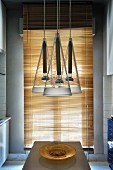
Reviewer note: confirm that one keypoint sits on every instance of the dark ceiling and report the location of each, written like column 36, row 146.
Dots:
column 18, row 3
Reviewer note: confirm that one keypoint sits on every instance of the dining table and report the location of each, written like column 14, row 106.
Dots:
column 35, row 161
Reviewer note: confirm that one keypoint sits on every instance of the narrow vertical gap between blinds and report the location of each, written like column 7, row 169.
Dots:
column 58, row 118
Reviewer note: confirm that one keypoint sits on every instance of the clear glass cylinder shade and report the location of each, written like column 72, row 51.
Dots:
column 73, row 76
column 41, row 70
column 57, row 72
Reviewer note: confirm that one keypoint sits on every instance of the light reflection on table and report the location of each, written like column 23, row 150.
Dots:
column 57, row 164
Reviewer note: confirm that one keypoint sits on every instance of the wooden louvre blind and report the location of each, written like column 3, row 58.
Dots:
column 58, row 118
column 81, row 15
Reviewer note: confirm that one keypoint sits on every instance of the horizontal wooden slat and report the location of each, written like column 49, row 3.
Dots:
column 33, row 15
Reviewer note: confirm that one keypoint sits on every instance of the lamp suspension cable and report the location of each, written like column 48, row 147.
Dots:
column 44, row 19
column 58, row 46
column 57, row 16
column 44, row 51
column 70, row 47
column 70, row 17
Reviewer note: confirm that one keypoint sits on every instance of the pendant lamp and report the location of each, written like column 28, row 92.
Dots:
column 41, row 74
column 56, row 85
column 73, row 76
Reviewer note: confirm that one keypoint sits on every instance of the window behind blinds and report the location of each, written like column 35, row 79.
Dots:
column 58, row 118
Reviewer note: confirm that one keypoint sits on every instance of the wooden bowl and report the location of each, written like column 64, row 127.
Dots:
column 57, row 151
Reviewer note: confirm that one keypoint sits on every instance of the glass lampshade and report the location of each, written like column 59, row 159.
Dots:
column 56, row 85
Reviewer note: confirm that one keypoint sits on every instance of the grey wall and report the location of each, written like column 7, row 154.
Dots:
column 15, row 82
column 2, row 26
column 98, row 80
column 109, row 38
column 2, row 61
column 107, row 80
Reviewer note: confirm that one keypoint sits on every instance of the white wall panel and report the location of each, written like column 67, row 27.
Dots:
column 2, row 61
column 109, row 39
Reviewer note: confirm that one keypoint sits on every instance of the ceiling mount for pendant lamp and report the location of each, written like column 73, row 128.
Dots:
column 56, row 85
column 73, row 76
column 41, row 77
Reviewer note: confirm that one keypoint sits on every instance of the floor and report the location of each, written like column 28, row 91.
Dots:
column 99, row 166
column 17, row 165
column 12, row 165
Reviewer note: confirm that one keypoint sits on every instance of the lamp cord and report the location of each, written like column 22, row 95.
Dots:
column 57, row 16
column 44, row 19
column 70, row 18
column 27, row 21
